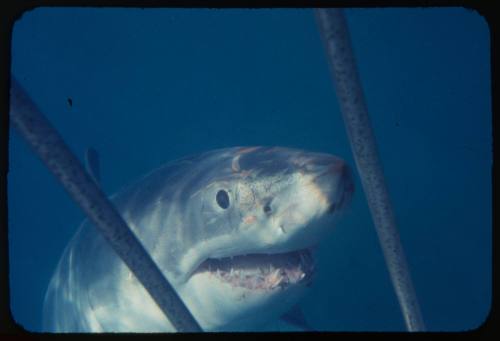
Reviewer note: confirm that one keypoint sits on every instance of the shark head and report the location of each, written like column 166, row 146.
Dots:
column 232, row 229
column 252, row 218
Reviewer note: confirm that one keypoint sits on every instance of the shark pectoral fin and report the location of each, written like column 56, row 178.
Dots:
column 295, row 317
column 92, row 165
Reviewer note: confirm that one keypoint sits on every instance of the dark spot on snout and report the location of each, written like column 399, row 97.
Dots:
column 267, row 208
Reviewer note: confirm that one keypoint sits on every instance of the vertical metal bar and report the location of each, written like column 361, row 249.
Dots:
column 50, row 147
column 336, row 39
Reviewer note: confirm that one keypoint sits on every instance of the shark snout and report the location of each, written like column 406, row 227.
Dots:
column 345, row 190
column 334, row 180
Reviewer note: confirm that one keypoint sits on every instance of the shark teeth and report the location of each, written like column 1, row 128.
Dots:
column 262, row 272
column 259, row 280
column 276, row 283
column 274, row 278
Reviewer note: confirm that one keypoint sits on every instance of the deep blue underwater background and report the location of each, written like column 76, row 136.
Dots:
column 148, row 86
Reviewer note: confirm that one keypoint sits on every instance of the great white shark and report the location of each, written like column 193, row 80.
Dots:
column 232, row 229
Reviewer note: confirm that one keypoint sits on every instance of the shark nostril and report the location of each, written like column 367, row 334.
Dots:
column 267, row 207
column 331, row 208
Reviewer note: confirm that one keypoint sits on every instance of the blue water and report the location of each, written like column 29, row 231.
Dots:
column 148, row 86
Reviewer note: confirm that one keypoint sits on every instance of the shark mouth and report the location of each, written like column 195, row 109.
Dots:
column 262, row 271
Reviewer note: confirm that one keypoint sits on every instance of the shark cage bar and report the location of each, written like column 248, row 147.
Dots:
column 50, row 147
column 335, row 35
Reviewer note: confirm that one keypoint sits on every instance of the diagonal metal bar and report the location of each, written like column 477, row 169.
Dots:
column 336, row 39
column 50, row 147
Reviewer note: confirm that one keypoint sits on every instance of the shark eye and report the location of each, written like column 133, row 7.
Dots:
column 222, row 199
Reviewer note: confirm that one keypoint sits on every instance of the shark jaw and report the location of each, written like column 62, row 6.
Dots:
column 240, row 289
column 262, row 271
column 244, row 292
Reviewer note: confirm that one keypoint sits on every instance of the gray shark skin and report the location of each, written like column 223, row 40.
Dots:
column 231, row 229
